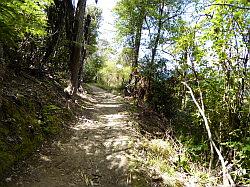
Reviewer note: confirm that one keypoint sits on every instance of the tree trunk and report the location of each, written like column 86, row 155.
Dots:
column 137, row 44
column 77, row 45
column 160, row 23
column 59, row 20
column 84, row 49
column 154, row 49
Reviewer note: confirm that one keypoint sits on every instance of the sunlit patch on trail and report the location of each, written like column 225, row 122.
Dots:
column 45, row 158
column 84, row 123
column 108, row 105
column 88, row 108
column 120, row 141
column 117, row 161
column 84, row 95
column 112, row 117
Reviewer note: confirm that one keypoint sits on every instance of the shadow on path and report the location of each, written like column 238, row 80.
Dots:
column 93, row 154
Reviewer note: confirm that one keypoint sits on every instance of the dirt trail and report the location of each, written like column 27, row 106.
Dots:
column 94, row 154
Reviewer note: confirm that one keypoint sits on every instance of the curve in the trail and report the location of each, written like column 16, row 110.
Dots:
column 94, row 154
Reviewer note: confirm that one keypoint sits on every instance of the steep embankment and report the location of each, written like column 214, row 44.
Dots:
column 31, row 110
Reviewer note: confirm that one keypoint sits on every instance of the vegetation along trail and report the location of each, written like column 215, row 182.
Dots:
column 184, row 64
column 95, row 153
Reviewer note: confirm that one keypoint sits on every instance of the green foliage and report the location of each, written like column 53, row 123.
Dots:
column 240, row 160
column 52, row 120
column 168, row 161
column 114, row 75
column 212, row 57
column 25, row 123
column 162, row 98
column 92, row 67
column 94, row 58
column 20, row 17
column 209, row 51
column 129, row 15
column 6, row 160
column 20, row 131
column 96, row 17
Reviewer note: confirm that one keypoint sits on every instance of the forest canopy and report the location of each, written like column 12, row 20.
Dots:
column 186, row 60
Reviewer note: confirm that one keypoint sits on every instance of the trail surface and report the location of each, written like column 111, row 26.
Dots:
column 93, row 153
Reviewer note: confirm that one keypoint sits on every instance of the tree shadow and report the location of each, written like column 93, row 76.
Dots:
column 91, row 152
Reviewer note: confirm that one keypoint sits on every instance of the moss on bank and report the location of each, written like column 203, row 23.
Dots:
column 31, row 110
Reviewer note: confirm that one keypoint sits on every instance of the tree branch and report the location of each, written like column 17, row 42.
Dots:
column 149, row 32
column 230, row 5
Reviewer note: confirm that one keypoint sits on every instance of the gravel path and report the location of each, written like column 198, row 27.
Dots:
column 94, row 154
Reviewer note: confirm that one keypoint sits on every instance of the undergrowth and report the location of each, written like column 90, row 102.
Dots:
column 32, row 111
column 167, row 162
column 161, row 159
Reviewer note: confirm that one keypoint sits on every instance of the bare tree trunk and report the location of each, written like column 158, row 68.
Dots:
column 156, row 43
column 226, row 176
column 84, row 49
column 137, row 44
column 77, row 46
column 160, row 24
